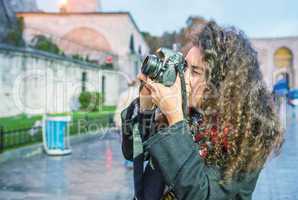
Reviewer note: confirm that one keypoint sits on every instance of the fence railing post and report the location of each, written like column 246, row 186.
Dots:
column 1, row 139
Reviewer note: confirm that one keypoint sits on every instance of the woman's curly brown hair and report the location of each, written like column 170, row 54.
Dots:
column 237, row 98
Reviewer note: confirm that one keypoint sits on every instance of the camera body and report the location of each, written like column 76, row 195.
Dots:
column 164, row 66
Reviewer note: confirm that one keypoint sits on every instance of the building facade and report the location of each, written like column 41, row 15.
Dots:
column 108, row 38
column 278, row 58
column 36, row 82
column 91, row 34
column 81, row 29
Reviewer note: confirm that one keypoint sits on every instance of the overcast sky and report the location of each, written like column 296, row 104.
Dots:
column 258, row 18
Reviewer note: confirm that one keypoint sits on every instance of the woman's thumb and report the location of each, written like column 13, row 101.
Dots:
column 177, row 82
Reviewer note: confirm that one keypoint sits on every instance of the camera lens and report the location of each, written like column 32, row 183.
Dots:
column 151, row 66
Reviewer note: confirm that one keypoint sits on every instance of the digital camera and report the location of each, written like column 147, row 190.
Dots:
column 164, row 66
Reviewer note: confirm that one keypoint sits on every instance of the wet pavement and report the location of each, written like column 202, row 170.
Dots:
column 95, row 171
column 279, row 178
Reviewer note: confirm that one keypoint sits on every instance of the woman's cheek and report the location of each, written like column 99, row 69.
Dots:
column 197, row 93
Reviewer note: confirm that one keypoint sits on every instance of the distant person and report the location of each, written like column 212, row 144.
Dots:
column 125, row 99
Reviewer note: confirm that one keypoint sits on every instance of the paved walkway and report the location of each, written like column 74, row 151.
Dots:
column 279, row 178
column 95, row 171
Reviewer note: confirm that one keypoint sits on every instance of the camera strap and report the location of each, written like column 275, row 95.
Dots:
column 183, row 93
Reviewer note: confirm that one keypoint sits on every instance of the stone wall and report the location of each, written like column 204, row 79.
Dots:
column 34, row 82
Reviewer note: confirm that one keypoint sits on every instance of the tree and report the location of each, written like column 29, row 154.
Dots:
column 152, row 41
column 181, row 37
column 15, row 35
column 90, row 101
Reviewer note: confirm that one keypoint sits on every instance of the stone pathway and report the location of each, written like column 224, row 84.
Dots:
column 279, row 178
column 93, row 171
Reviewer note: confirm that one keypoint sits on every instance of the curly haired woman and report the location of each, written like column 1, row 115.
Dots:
column 219, row 154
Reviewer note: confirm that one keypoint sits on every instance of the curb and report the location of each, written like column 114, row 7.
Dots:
column 36, row 149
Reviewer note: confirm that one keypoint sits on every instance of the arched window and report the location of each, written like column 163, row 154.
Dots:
column 283, row 61
column 85, row 41
column 103, row 88
column 132, row 44
column 283, row 58
column 84, row 81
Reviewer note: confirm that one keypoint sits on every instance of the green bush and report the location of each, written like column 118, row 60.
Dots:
column 83, row 59
column 78, row 57
column 44, row 43
column 107, row 66
column 91, row 101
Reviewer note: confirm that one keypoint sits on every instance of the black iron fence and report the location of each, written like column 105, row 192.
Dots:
column 10, row 139
column 20, row 137
column 1, row 139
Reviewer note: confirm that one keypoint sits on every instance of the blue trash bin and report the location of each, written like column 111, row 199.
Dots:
column 56, row 135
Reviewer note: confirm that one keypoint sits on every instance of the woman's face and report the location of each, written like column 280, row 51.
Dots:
column 195, row 76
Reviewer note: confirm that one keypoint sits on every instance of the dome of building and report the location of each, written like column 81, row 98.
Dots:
column 82, row 6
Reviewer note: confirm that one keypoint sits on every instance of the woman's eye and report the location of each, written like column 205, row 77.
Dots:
column 197, row 72
column 193, row 72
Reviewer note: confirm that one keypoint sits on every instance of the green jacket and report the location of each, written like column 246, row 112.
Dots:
column 185, row 171
column 175, row 154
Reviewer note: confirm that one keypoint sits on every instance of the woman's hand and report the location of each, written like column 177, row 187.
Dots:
column 145, row 99
column 168, row 99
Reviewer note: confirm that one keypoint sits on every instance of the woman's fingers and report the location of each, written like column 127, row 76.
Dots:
column 177, row 83
column 149, row 84
column 158, row 91
column 142, row 77
column 155, row 89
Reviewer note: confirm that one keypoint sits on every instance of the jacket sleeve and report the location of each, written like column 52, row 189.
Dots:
column 129, row 117
column 177, row 157
column 127, row 136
